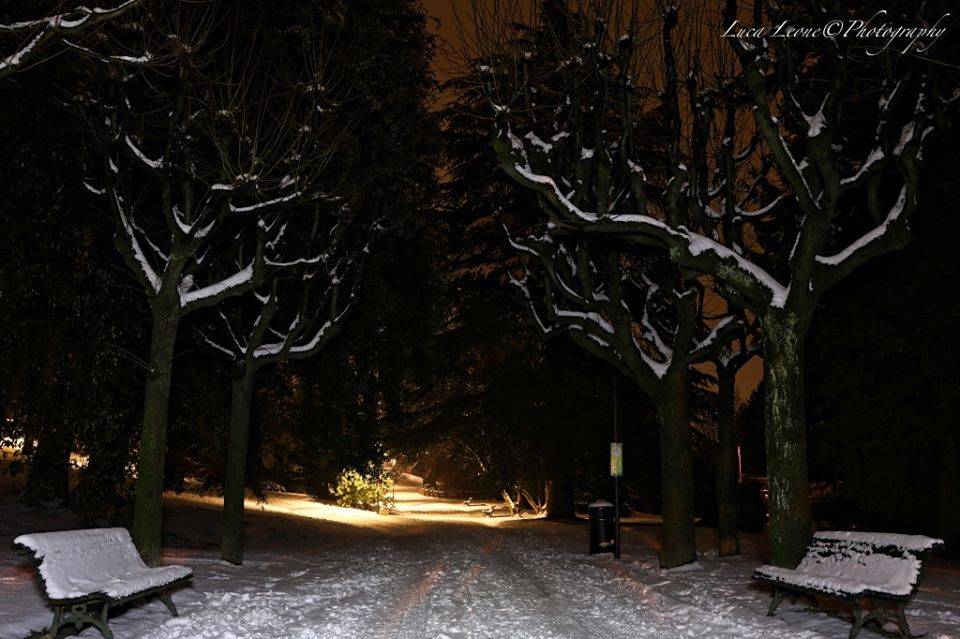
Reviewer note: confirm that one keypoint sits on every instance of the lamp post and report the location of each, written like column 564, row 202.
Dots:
column 616, row 469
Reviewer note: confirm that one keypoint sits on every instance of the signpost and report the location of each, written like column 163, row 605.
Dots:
column 616, row 459
column 616, row 470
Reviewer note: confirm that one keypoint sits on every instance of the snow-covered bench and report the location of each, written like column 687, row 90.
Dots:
column 86, row 572
column 880, row 569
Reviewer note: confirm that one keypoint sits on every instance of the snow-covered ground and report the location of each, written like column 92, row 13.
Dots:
column 440, row 570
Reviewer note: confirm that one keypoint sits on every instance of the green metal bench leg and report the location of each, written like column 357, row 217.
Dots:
column 57, row 622
column 902, row 624
column 102, row 626
column 168, row 602
column 95, row 610
column 858, row 620
column 79, row 616
column 776, row 599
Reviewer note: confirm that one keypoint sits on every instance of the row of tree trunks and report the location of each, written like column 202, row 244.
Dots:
column 676, row 469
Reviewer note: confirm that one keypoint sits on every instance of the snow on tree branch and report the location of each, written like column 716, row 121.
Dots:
column 41, row 33
column 195, row 161
column 586, row 295
column 131, row 247
column 314, row 272
column 211, row 294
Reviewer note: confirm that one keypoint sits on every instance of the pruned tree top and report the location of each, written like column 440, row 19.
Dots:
column 314, row 265
column 206, row 143
column 741, row 159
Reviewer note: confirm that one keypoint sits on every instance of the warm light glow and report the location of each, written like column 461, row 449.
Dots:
column 79, row 461
column 14, row 447
column 412, row 508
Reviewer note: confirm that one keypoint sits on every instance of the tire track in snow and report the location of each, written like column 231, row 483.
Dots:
column 553, row 613
column 655, row 608
column 409, row 616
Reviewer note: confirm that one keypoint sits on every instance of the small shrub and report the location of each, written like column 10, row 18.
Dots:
column 368, row 491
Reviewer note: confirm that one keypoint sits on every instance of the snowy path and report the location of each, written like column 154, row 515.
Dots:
column 435, row 578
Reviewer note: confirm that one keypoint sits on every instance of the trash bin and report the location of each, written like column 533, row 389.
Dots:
column 602, row 527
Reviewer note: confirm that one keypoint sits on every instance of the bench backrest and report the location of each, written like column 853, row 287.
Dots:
column 885, row 563
column 74, row 563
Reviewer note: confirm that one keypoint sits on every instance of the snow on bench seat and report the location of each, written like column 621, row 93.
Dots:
column 80, row 563
column 851, row 564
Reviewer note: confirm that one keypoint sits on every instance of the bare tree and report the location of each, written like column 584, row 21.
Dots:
column 633, row 312
column 315, row 266
column 198, row 152
column 628, row 306
column 728, row 361
column 761, row 185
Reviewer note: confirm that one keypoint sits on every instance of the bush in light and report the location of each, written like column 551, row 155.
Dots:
column 368, row 491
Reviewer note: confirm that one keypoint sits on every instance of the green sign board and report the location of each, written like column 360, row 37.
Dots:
column 616, row 459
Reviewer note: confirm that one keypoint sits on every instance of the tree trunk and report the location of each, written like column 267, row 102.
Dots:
column 101, row 488
column 786, row 434
column 948, row 490
column 175, row 461
column 676, row 473
column 148, row 508
column 238, row 441
column 727, row 472
column 559, row 490
column 49, row 476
